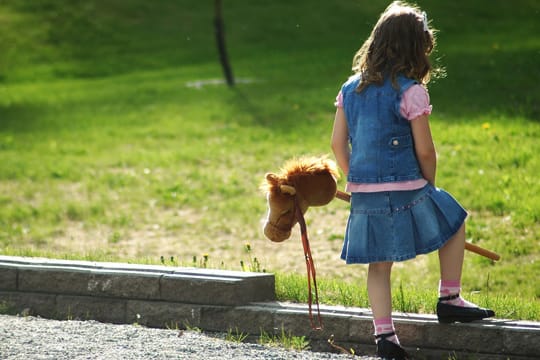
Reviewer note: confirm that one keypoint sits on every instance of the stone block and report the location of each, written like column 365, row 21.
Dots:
column 335, row 320
column 91, row 308
column 522, row 340
column 336, row 325
column 123, row 284
column 163, row 314
column 255, row 286
column 198, row 289
column 34, row 304
column 247, row 319
column 412, row 333
column 8, row 278
column 216, row 287
column 296, row 320
column 88, row 281
column 361, row 329
column 473, row 338
column 54, row 280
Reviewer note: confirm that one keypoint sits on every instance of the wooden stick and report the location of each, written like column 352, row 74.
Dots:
column 343, row 196
column 481, row 251
column 471, row 247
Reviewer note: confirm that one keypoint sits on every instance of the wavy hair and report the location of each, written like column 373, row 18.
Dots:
column 399, row 43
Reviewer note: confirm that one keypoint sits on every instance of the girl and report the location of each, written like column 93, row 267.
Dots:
column 382, row 142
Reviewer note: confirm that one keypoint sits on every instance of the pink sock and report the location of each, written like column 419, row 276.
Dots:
column 384, row 326
column 452, row 287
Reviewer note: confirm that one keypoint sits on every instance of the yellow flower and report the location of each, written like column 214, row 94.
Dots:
column 486, row 125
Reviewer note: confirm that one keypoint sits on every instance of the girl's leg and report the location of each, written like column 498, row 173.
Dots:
column 380, row 298
column 451, row 261
column 451, row 256
column 451, row 306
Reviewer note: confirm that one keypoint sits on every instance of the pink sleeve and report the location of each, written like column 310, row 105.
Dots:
column 339, row 100
column 415, row 102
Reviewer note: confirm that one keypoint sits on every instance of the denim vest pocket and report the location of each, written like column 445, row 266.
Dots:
column 403, row 155
column 402, row 141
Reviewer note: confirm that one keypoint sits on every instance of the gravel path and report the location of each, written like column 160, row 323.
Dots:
column 29, row 338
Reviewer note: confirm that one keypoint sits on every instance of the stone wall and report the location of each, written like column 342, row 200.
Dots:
column 217, row 300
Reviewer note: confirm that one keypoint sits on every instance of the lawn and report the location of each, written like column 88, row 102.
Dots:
column 110, row 152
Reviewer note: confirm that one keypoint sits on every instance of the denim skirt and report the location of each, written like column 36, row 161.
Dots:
column 398, row 225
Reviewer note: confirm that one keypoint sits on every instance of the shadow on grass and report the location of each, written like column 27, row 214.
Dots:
column 104, row 39
column 22, row 118
column 498, row 83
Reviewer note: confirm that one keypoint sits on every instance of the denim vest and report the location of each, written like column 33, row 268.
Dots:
column 382, row 148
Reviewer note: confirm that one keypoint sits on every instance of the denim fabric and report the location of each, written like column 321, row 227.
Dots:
column 382, row 148
column 399, row 225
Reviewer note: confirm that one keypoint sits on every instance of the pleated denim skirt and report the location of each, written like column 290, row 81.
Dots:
column 399, row 225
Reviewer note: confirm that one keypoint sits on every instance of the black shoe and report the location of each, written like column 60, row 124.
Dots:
column 447, row 313
column 389, row 350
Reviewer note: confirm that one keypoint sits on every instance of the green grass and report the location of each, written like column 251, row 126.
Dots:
column 405, row 298
column 106, row 153
column 285, row 340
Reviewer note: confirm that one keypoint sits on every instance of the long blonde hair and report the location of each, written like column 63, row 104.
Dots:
column 400, row 42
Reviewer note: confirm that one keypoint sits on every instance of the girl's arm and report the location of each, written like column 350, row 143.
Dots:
column 340, row 141
column 424, row 147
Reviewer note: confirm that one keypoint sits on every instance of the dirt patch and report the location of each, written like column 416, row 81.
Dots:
column 175, row 235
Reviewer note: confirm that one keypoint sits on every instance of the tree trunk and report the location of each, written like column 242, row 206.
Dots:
column 220, row 39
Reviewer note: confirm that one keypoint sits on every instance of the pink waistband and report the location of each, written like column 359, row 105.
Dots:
column 390, row 186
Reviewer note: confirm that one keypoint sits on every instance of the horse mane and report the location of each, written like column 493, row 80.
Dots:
column 299, row 167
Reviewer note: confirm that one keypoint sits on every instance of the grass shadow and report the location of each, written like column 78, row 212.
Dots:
column 22, row 118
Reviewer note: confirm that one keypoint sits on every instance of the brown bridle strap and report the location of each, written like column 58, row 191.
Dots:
column 311, row 275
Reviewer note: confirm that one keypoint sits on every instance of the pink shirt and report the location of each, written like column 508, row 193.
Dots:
column 414, row 103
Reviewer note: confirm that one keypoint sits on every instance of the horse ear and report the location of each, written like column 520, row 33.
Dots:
column 271, row 178
column 288, row 189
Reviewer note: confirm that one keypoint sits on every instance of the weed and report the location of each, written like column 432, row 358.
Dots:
column 339, row 348
column 173, row 325
column 236, row 336
column 136, row 322
column 188, row 327
column 69, row 315
column 284, row 339
column 7, row 308
column 171, row 261
column 253, row 264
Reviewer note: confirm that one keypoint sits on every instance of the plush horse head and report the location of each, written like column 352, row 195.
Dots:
column 302, row 183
